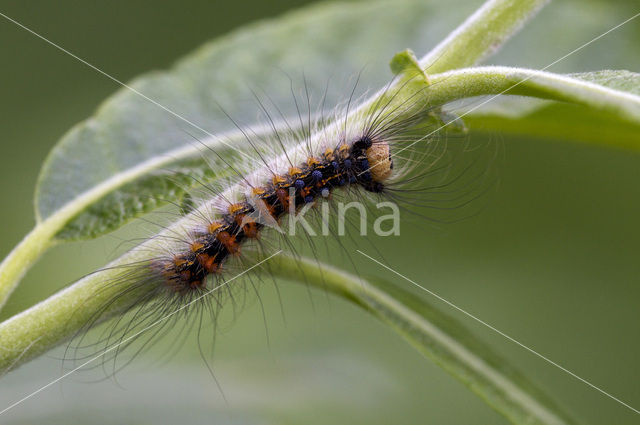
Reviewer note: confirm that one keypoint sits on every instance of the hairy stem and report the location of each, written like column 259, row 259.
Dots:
column 23, row 256
column 54, row 320
column 499, row 80
column 481, row 35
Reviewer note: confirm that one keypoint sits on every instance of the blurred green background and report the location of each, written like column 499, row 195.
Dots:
column 552, row 259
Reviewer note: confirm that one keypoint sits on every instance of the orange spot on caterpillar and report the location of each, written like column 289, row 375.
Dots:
column 229, row 242
column 271, row 210
column 213, row 227
column 344, row 150
column 179, row 261
column 283, row 197
column 294, row 171
column 251, row 230
column 312, row 162
column 208, row 262
column 258, row 191
column 196, row 246
column 234, row 208
column 277, row 180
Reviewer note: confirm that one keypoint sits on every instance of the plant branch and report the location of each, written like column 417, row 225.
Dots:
column 54, row 320
column 482, row 34
column 498, row 80
column 22, row 257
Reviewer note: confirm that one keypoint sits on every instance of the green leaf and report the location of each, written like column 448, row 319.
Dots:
column 406, row 63
column 128, row 131
column 625, row 81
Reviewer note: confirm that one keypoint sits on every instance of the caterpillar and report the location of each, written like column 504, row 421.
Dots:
column 359, row 156
column 365, row 163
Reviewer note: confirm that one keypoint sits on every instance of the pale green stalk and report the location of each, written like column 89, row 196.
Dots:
column 481, row 34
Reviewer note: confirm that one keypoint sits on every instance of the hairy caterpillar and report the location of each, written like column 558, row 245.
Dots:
column 359, row 156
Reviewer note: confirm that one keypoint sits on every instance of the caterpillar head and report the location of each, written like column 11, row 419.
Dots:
column 380, row 161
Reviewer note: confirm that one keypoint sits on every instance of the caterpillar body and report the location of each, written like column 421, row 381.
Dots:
column 359, row 156
column 288, row 171
column 365, row 163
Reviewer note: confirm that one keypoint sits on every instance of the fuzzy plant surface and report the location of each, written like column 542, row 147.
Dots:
column 110, row 169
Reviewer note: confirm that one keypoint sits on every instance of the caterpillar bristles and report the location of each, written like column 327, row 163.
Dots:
column 378, row 151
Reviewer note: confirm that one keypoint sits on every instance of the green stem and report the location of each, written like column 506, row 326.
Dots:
column 54, row 320
column 22, row 257
column 481, row 34
column 498, row 80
